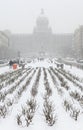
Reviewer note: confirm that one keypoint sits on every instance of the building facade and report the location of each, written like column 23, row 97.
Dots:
column 43, row 40
column 5, row 51
column 78, row 42
column 4, row 41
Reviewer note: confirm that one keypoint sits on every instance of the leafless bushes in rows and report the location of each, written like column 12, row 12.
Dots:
column 46, row 84
column 27, row 113
column 60, row 91
column 77, row 96
column 74, row 77
column 23, row 88
column 61, row 79
column 11, row 79
column 48, row 107
column 34, row 89
column 4, row 108
column 9, row 102
column 74, row 112
column 3, row 111
column 53, row 78
column 48, row 111
column 71, row 79
column 8, row 75
column 3, row 94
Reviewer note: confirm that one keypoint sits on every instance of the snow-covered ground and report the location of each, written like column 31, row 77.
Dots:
column 4, row 69
column 41, row 82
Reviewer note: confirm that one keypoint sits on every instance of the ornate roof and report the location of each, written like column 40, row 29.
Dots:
column 42, row 19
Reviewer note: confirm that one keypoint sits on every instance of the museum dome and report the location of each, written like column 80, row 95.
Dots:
column 42, row 19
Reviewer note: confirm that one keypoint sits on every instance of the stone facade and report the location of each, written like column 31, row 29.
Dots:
column 6, row 52
column 78, row 43
column 43, row 40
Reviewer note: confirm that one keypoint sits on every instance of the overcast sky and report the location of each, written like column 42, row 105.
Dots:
column 19, row 16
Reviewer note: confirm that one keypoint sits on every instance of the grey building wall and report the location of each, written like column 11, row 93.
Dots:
column 59, row 45
column 42, row 39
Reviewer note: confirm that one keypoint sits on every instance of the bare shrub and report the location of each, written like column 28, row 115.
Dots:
column 31, row 104
column 48, row 111
column 34, row 91
column 60, row 91
column 64, row 84
column 74, row 114
column 28, row 112
column 19, row 122
column 3, row 111
column 2, row 96
column 9, row 102
column 48, row 91
column 67, row 105
column 75, row 95
column 29, row 116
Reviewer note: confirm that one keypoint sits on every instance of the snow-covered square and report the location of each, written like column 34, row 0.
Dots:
column 42, row 95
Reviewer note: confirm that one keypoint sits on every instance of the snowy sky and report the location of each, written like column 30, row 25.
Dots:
column 19, row 16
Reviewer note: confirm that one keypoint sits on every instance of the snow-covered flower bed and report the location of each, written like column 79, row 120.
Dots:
column 41, row 96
